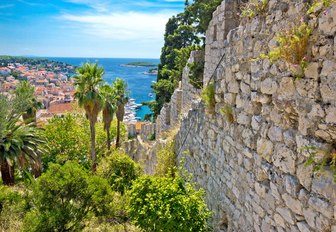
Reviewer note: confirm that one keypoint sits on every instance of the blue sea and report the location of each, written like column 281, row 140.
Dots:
column 138, row 82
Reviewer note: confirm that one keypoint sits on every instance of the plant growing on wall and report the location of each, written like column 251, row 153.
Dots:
column 196, row 74
column 253, row 8
column 318, row 5
column 292, row 47
column 208, row 97
column 228, row 113
column 328, row 159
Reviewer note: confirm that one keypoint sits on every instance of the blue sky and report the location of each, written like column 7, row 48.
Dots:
column 85, row 28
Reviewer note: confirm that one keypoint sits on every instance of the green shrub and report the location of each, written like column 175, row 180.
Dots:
column 167, row 204
column 196, row 74
column 166, row 159
column 208, row 96
column 253, row 8
column 13, row 207
column 292, row 47
column 119, row 170
column 65, row 196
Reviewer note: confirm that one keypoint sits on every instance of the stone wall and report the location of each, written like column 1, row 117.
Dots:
column 253, row 170
column 180, row 101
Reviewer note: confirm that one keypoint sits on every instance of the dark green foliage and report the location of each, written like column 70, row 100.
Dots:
column 196, row 74
column 151, row 137
column 65, row 196
column 167, row 204
column 119, row 170
column 183, row 34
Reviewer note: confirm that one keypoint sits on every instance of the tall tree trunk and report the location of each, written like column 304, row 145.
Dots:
column 93, row 146
column 7, row 174
column 108, row 138
column 118, row 134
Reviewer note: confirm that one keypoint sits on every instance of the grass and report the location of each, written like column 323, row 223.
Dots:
column 208, row 97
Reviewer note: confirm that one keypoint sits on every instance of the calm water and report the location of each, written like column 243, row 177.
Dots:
column 138, row 83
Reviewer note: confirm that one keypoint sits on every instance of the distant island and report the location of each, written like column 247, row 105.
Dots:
column 152, row 71
column 139, row 64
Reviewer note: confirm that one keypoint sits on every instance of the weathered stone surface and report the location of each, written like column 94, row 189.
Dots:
column 265, row 149
column 286, row 215
column 321, row 206
column 293, row 204
column 268, row 86
column 284, row 159
column 312, row 71
column 275, row 134
column 331, row 115
column 327, row 23
column 324, row 185
column 303, row 227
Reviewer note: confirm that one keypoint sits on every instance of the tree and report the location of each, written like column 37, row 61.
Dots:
column 167, row 204
column 65, row 196
column 119, row 170
column 25, row 102
column 19, row 143
column 108, row 110
column 122, row 98
column 88, row 79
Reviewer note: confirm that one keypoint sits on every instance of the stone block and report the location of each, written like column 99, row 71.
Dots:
column 312, row 71
column 291, row 184
column 328, row 88
column 321, row 206
column 279, row 220
column 286, row 215
column 303, row 227
column 324, row 185
column 293, row 204
column 310, row 217
column 305, row 175
column 275, row 134
column 331, row 115
column 287, row 89
column 327, row 22
column 269, row 86
column 265, row 149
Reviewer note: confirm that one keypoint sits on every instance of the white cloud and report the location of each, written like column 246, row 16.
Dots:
column 121, row 25
column 98, row 5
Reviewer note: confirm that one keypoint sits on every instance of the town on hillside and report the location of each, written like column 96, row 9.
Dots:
column 53, row 86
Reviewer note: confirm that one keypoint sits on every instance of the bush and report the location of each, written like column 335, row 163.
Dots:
column 292, row 47
column 167, row 204
column 166, row 159
column 13, row 206
column 119, row 170
column 208, row 96
column 65, row 196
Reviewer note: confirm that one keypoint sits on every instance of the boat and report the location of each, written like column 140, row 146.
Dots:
column 150, row 95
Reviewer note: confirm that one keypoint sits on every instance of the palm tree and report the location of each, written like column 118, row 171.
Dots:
column 108, row 110
column 121, row 96
column 25, row 101
column 19, row 143
column 88, row 79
